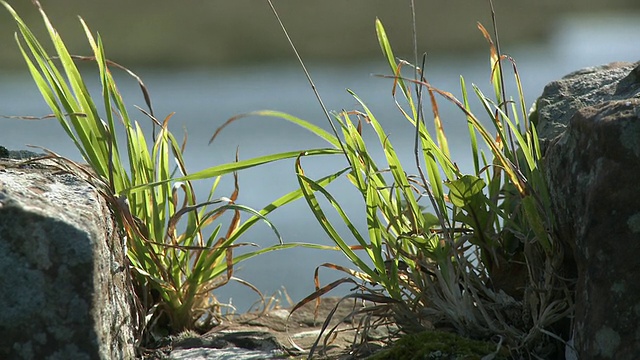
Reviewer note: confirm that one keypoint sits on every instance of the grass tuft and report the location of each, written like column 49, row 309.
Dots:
column 179, row 249
column 470, row 252
column 473, row 253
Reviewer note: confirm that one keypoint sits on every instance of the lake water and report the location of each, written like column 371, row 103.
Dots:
column 204, row 98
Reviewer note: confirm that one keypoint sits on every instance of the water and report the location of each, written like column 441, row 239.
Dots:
column 204, row 98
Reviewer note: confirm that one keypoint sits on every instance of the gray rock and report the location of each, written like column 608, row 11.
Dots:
column 223, row 354
column 240, row 345
column 17, row 154
column 64, row 292
column 591, row 123
column 590, row 86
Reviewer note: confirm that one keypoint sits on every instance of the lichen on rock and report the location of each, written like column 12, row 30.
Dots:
column 589, row 124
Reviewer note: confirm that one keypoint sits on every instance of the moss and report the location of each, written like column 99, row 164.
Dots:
column 629, row 133
column 634, row 223
column 607, row 342
column 439, row 345
column 618, row 287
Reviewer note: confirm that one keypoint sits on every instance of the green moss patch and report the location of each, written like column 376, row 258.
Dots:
column 439, row 345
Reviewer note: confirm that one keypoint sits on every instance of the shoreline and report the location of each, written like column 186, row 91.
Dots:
column 171, row 35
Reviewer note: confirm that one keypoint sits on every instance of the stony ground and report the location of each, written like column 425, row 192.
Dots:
column 275, row 334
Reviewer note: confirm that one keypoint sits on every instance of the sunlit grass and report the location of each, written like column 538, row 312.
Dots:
column 179, row 249
column 468, row 251
column 473, row 252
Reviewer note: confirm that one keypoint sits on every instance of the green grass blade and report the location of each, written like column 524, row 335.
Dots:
column 472, row 134
column 236, row 166
column 309, row 187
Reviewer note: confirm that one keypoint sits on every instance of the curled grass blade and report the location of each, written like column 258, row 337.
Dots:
column 316, row 130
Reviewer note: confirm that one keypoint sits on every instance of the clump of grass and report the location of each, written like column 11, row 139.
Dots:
column 441, row 246
column 482, row 259
column 179, row 250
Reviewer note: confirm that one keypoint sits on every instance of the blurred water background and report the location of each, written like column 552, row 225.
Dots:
column 209, row 61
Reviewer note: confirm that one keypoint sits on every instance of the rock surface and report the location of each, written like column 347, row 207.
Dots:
column 590, row 124
column 64, row 292
column 586, row 87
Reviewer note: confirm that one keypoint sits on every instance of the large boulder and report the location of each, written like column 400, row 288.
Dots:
column 587, row 87
column 589, row 122
column 63, row 278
